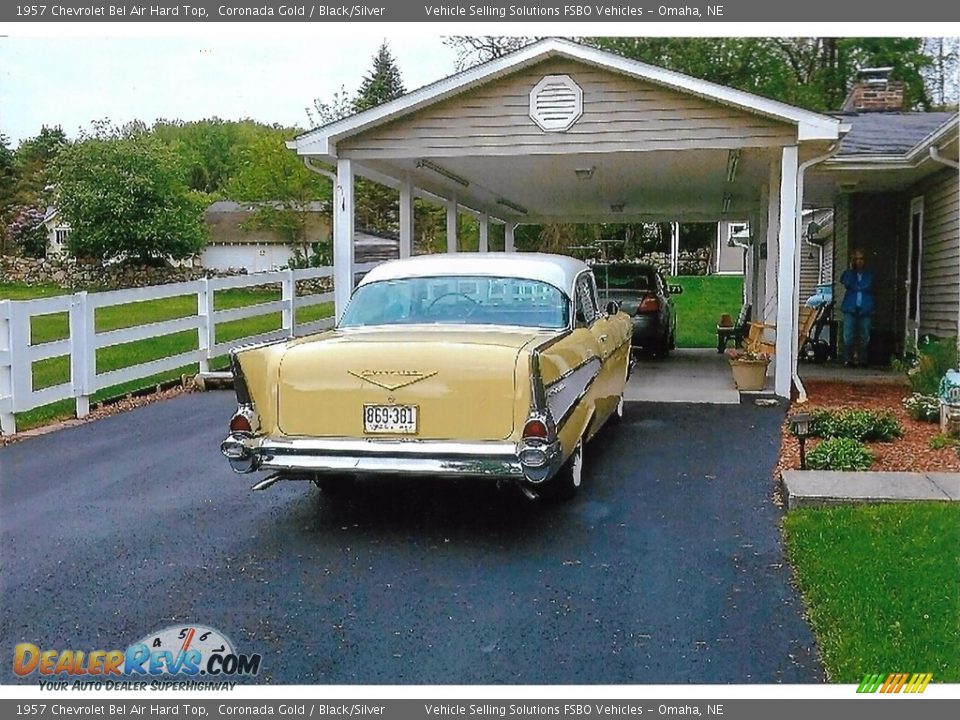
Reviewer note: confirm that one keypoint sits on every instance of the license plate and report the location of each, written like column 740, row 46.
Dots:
column 395, row 419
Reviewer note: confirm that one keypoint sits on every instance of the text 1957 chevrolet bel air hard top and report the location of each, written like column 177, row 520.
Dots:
column 495, row 366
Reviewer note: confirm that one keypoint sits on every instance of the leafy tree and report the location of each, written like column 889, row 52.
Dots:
column 273, row 177
column 34, row 167
column 7, row 181
column 123, row 193
column 814, row 73
column 208, row 149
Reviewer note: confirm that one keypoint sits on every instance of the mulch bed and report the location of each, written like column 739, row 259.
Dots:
column 911, row 453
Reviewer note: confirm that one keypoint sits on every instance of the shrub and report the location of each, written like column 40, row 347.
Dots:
column 941, row 441
column 923, row 407
column 27, row 233
column 864, row 425
column 840, row 453
column 930, row 364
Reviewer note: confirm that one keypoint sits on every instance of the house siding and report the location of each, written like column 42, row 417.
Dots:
column 809, row 269
column 940, row 265
column 619, row 113
column 828, row 261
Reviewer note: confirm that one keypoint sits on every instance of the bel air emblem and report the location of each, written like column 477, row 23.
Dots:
column 392, row 379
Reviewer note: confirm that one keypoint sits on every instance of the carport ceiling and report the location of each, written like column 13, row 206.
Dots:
column 652, row 185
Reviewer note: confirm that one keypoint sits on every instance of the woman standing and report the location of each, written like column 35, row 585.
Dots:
column 857, row 309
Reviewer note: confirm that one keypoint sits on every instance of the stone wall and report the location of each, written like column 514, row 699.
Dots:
column 69, row 273
column 688, row 263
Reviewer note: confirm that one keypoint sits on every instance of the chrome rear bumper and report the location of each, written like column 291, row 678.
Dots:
column 293, row 456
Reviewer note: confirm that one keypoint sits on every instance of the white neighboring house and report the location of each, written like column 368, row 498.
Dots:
column 231, row 245
column 57, row 232
column 730, row 255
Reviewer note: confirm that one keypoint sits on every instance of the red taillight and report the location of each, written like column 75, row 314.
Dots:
column 240, row 423
column 649, row 303
column 535, row 430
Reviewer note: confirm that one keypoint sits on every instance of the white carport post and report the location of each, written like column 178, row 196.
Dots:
column 508, row 229
column 484, row 233
column 674, row 248
column 452, row 225
column 406, row 219
column 343, row 237
column 785, row 271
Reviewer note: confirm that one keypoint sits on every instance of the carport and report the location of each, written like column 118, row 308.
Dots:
column 559, row 132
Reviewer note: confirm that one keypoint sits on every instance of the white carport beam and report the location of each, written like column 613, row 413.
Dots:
column 786, row 287
column 343, row 237
column 406, row 219
column 484, row 233
column 508, row 229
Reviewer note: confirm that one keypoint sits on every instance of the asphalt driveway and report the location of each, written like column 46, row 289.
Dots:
column 667, row 568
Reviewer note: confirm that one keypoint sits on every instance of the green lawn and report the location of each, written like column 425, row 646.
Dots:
column 881, row 585
column 703, row 300
column 53, row 371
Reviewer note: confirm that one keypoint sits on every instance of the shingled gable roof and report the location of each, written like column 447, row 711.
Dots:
column 322, row 141
column 889, row 133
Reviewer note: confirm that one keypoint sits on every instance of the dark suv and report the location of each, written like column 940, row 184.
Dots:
column 642, row 293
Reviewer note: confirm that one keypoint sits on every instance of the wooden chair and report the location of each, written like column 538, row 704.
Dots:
column 807, row 319
column 756, row 340
column 735, row 332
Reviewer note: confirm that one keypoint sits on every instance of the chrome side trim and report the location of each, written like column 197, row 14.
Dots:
column 573, row 386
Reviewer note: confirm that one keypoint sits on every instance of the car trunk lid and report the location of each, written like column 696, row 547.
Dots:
column 463, row 384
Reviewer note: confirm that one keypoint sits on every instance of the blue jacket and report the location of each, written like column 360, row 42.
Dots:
column 859, row 295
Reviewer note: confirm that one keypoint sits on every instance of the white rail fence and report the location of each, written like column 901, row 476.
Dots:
column 18, row 353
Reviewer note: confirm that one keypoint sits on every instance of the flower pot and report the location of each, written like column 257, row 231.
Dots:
column 749, row 374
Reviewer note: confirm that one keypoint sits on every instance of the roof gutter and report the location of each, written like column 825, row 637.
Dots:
column 937, row 157
column 795, row 300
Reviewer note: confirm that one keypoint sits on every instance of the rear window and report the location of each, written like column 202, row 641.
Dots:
column 624, row 277
column 458, row 300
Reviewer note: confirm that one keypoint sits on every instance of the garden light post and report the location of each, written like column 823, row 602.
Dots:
column 800, row 427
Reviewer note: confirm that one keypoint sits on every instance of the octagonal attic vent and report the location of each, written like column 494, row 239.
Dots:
column 556, row 103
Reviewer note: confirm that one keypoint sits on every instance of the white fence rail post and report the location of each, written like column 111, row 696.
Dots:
column 18, row 355
column 288, row 294
column 82, row 352
column 8, row 422
column 206, row 333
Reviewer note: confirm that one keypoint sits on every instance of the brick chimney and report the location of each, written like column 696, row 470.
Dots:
column 874, row 91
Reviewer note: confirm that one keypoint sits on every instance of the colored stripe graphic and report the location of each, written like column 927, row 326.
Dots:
column 923, row 679
column 895, row 683
column 870, row 683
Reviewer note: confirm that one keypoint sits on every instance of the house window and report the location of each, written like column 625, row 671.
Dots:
column 60, row 236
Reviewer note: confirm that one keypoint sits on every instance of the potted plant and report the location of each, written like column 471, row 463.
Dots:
column 749, row 368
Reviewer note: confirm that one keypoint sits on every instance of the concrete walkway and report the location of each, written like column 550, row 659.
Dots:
column 814, row 488
column 698, row 375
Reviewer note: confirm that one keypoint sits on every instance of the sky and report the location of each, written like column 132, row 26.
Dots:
column 71, row 81
column 67, row 75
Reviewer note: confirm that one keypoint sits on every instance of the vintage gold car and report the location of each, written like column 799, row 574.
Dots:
column 497, row 366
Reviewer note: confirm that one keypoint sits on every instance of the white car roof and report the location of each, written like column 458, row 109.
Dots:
column 557, row 270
